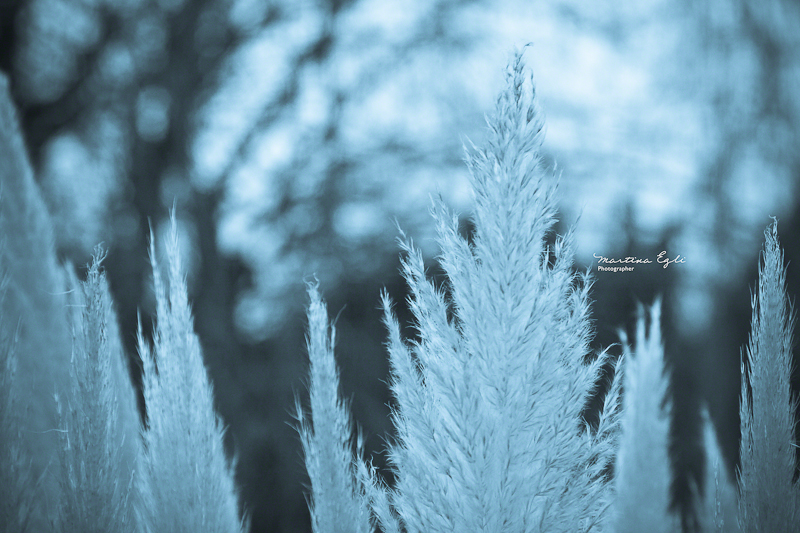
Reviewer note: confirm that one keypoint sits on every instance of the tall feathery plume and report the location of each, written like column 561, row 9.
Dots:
column 769, row 500
column 17, row 483
column 717, row 510
column 338, row 503
column 490, row 434
column 186, row 480
column 642, row 471
column 99, row 423
column 33, row 315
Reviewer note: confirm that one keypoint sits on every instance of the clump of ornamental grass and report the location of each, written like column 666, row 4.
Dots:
column 16, row 480
column 769, row 498
column 642, row 471
column 35, row 339
column 489, row 399
column 337, row 503
column 186, row 480
column 98, row 420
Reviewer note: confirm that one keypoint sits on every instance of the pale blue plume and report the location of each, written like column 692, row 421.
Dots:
column 718, row 506
column 98, row 420
column 768, row 496
column 186, row 480
column 338, row 502
column 643, row 471
column 490, row 434
column 35, row 335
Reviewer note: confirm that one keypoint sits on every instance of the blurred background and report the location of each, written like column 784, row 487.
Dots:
column 290, row 135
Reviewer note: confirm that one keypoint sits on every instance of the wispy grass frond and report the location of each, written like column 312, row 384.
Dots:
column 642, row 472
column 717, row 511
column 610, row 417
column 98, row 422
column 187, row 482
column 768, row 497
column 33, row 313
column 489, row 429
column 16, row 479
column 377, row 496
column 338, row 500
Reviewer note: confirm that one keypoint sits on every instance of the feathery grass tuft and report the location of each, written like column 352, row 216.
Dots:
column 98, row 419
column 17, row 483
column 490, row 434
column 642, row 472
column 489, row 429
column 186, row 481
column 338, row 503
column 717, row 511
column 769, row 500
column 33, row 315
